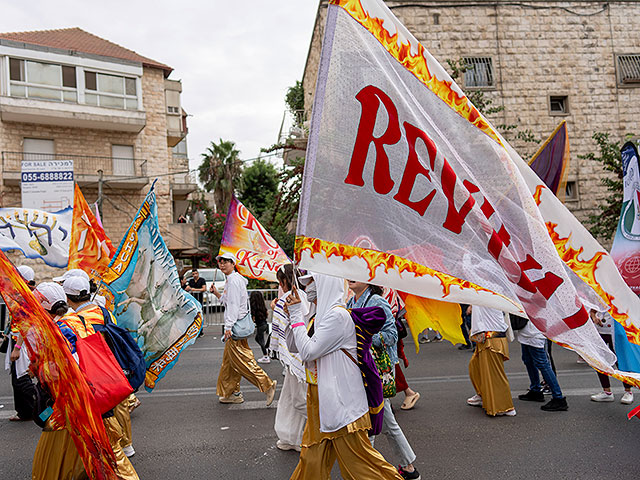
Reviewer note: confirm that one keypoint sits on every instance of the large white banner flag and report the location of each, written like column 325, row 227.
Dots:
column 408, row 186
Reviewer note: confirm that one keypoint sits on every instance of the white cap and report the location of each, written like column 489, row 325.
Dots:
column 76, row 285
column 50, row 294
column 227, row 256
column 74, row 272
column 27, row 273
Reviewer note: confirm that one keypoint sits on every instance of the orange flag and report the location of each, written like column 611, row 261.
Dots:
column 54, row 366
column 89, row 248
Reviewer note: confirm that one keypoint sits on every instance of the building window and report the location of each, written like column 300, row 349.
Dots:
column 43, row 81
column 38, row 149
column 559, row 105
column 629, row 70
column 175, row 110
column 122, row 160
column 479, row 72
column 181, row 148
column 111, row 91
column 436, row 19
column 571, row 191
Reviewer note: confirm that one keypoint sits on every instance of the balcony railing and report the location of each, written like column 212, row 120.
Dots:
column 123, row 172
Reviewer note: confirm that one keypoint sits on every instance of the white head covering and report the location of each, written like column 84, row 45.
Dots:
column 50, row 293
column 76, row 285
column 27, row 273
column 74, row 272
column 331, row 293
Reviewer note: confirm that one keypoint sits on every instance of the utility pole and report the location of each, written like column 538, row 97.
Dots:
column 100, row 181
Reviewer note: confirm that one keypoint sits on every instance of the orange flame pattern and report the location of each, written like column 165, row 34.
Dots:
column 375, row 259
column 586, row 269
column 55, row 367
column 417, row 64
column 537, row 196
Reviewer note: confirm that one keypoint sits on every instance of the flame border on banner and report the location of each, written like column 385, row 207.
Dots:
column 417, row 64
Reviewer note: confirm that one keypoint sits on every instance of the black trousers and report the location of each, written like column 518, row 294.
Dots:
column 23, row 393
column 262, row 337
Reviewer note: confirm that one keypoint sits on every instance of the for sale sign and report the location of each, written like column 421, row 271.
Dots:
column 47, row 184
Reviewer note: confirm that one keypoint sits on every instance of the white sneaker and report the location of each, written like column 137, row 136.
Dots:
column 287, row 446
column 508, row 413
column 627, row 398
column 475, row 401
column 603, row 397
column 129, row 451
column 264, row 359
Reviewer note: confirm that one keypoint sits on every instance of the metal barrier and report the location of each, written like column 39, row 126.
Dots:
column 213, row 312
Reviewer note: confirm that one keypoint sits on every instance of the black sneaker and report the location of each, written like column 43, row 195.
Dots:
column 532, row 396
column 555, row 405
column 415, row 475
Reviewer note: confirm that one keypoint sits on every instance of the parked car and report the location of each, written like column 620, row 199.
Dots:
column 211, row 276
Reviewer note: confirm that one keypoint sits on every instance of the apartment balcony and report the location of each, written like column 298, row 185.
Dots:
column 125, row 173
column 183, row 184
column 43, row 112
column 183, row 239
column 176, row 129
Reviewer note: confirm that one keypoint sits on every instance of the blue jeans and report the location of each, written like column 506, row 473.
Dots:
column 397, row 441
column 537, row 359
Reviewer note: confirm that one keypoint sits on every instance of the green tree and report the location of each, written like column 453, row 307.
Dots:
column 259, row 187
column 295, row 102
column 604, row 222
column 220, row 172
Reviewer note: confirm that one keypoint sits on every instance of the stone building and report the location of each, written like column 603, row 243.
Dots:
column 543, row 61
column 68, row 94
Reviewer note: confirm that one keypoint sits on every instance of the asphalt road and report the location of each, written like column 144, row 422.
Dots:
column 182, row 432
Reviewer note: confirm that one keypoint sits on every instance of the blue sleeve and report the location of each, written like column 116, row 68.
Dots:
column 389, row 332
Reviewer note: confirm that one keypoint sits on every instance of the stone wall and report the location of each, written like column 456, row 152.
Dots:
column 543, row 49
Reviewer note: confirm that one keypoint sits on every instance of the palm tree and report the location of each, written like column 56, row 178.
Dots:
column 220, row 172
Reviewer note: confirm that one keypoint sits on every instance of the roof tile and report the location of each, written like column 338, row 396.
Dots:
column 79, row 40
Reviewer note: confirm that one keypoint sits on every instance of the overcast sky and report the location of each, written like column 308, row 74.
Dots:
column 236, row 59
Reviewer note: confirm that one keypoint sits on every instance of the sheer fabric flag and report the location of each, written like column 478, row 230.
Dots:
column 89, row 248
column 57, row 369
column 408, row 186
column 37, row 234
column 551, row 161
column 144, row 286
column 258, row 254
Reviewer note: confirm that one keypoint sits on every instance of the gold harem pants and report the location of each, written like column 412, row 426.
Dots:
column 486, row 371
column 237, row 362
column 350, row 445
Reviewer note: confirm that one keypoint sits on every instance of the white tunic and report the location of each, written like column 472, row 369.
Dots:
column 341, row 393
column 235, row 299
column 485, row 319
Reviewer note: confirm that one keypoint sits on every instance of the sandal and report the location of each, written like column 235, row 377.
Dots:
column 410, row 402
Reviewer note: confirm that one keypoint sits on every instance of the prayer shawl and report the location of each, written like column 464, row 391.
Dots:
column 279, row 323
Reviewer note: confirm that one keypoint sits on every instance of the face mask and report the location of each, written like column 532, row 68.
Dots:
column 312, row 293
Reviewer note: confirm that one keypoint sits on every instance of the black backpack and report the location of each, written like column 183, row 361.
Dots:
column 517, row 322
